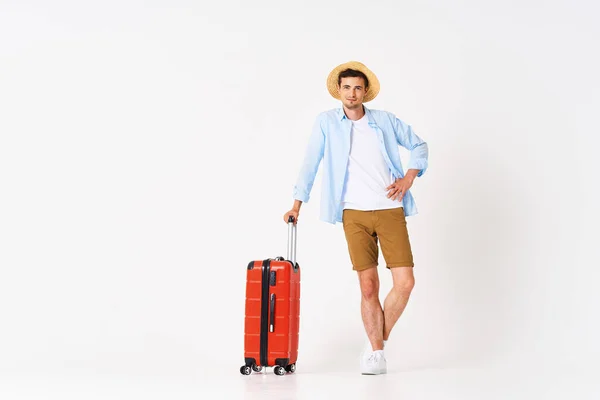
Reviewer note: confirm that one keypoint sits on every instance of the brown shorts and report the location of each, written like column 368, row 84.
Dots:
column 364, row 228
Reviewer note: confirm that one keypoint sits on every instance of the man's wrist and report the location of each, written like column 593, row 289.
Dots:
column 297, row 205
column 411, row 174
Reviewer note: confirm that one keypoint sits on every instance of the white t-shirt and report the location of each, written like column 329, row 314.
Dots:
column 368, row 174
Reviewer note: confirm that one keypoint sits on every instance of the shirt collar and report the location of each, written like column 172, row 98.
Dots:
column 342, row 114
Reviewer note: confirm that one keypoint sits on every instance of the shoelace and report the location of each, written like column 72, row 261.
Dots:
column 373, row 358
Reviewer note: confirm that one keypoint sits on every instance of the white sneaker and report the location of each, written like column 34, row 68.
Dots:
column 373, row 363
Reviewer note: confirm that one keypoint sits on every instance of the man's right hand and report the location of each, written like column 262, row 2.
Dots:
column 292, row 213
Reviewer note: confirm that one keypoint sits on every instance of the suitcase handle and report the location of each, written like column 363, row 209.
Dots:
column 291, row 250
column 272, row 313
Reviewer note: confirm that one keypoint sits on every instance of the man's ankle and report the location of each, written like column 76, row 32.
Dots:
column 369, row 346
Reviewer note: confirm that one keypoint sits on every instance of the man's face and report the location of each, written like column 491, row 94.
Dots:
column 352, row 92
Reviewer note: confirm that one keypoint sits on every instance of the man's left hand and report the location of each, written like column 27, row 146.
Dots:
column 397, row 189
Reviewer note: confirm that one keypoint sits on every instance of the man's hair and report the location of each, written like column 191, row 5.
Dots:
column 352, row 73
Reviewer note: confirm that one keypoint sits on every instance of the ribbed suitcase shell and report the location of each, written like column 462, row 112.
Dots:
column 282, row 342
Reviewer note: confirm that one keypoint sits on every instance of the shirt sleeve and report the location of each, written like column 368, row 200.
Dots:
column 419, row 151
column 312, row 159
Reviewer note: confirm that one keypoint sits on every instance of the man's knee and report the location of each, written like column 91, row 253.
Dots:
column 404, row 285
column 369, row 288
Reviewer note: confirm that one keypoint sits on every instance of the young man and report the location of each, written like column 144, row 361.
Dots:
column 365, row 188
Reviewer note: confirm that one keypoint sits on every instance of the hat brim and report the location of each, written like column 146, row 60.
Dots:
column 332, row 80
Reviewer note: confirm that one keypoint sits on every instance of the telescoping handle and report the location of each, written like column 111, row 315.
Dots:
column 291, row 251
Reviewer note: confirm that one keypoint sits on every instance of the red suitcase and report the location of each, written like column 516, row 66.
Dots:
column 272, row 318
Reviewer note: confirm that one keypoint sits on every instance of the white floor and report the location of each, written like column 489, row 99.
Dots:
column 326, row 382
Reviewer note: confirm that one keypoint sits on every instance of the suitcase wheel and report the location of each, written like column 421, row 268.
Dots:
column 256, row 368
column 279, row 370
column 245, row 370
column 291, row 368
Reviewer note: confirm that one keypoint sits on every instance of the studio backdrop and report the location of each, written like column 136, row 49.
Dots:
column 149, row 152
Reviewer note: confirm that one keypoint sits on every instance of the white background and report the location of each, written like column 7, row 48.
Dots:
column 148, row 151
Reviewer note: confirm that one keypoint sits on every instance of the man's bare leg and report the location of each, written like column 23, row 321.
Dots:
column 372, row 313
column 396, row 300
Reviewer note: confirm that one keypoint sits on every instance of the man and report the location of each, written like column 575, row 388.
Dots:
column 365, row 188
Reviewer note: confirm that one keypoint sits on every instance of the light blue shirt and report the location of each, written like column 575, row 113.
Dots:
column 330, row 142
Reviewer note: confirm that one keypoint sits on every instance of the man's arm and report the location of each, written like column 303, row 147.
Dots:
column 310, row 166
column 419, row 151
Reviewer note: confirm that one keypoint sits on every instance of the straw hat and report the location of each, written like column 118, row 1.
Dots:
column 332, row 80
